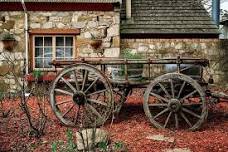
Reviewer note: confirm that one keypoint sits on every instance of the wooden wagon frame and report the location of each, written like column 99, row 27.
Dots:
column 84, row 92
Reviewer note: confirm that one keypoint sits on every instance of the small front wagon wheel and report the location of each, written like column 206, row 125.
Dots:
column 175, row 101
column 81, row 96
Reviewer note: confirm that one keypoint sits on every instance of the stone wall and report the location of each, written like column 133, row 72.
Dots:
column 101, row 25
column 93, row 24
column 213, row 49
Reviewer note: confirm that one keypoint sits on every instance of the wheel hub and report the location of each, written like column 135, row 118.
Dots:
column 79, row 98
column 174, row 105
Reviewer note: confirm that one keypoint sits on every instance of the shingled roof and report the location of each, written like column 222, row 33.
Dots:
column 167, row 17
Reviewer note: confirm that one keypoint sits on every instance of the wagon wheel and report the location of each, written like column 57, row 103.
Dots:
column 181, row 104
column 81, row 96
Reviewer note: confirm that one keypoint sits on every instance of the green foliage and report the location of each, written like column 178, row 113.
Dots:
column 70, row 143
column 70, row 146
column 118, row 145
column 54, row 147
column 103, row 146
column 127, row 54
column 37, row 74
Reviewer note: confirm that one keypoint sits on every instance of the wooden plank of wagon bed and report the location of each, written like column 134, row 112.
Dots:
column 119, row 61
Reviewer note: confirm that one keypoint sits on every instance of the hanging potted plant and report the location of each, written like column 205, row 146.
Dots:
column 95, row 42
column 134, row 71
column 9, row 41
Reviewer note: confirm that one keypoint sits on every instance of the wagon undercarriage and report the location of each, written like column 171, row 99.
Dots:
column 86, row 92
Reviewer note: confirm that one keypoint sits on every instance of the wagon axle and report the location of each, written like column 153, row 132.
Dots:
column 174, row 105
column 79, row 98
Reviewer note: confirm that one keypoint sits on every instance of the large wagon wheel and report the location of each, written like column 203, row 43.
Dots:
column 81, row 96
column 180, row 104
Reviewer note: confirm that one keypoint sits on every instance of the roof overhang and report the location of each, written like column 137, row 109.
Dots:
column 60, row 5
column 169, row 35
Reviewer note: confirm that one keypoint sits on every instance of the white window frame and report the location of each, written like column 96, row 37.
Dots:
column 53, row 49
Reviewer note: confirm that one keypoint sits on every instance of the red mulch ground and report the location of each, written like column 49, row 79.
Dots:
column 132, row 128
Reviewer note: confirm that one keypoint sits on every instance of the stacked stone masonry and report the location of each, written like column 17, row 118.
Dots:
column 92, row 24
column 213, row 49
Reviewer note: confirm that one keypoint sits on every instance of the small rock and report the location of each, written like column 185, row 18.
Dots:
column 79, row 25
column 112, row 52
column 106, row 44
column 113, row 30
column 116, row 41
column 35, row 25
column 48, row 25
column 152, row 47
column 87, row 35
column 178, row 46
column 91, row 137
column 143, row 48
column 160, row 137
column 92, row 24
column 60, row 25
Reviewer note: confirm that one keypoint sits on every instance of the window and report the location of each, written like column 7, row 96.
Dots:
column 48, row 48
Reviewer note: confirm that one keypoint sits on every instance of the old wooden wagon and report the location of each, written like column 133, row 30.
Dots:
column 87, row 91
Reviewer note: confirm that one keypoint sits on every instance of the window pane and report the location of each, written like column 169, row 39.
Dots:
column 59, row 52
column 69, row 41
column 47, row 62
column 69, row 52
column 47, row 41
column 38, row 63
column 47, row 52
column 38, row 41
column 39, row 52
column 59, row 41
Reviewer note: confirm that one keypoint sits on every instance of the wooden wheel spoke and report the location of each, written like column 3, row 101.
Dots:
column 69, row 85
column 64, row 92
column 191, row 112
column 164, row 89
column 68, row 110
column 76, row 115
column 159, row 97
column 75, row 80
column 176, row 121
column 94, row 111
column 186, row 119
column 97, row 92
column 188, row 95
column 157, row 105
column 181, row 89
column 172, row 88
column 85, row 77
column 97, row 102
column 91, row 85
column 62, row 102
column 161, row 113
column 167, row 119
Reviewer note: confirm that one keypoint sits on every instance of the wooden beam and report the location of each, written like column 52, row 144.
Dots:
column 54, row 31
